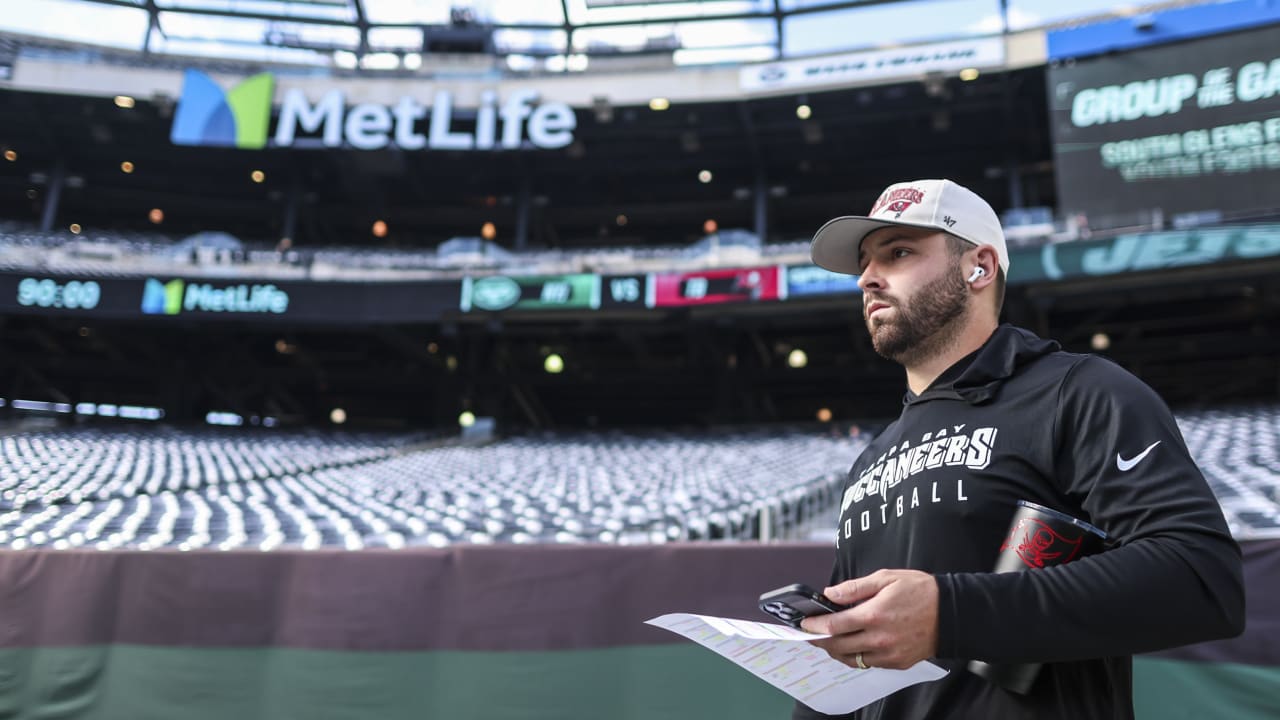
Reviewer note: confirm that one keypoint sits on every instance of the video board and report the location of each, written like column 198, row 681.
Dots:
column 424, row 301
column 706, row 287
column 255, row 300
column 579, row 291
column 1190, row 127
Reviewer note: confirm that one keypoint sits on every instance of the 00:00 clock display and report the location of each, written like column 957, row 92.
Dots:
column 51, row 294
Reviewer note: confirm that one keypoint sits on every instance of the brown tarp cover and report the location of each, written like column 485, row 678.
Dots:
column 468, row 598
column 385, row 635
column 502, row 597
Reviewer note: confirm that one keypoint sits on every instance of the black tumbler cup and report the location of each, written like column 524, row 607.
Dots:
column 1038, row 537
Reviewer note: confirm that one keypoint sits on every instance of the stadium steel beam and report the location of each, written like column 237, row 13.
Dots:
column 568, row 28
column 524, row 208
column 289, row 226
column 509, row 377
column 153, row 24
column 778, row 17
column 760, row 190
column 57, row 178
column 761, row 217
column 364, row 25
column 1012, row 169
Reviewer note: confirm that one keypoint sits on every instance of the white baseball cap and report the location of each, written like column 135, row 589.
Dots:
column 933, row 204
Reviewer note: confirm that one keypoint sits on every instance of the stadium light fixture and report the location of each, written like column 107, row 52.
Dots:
column 824, row 414
column 969, row 74
column 659, row 104
column 125, row 102
column 804, row 112
column 467, row 419
column 213, row 417
column 11, row 155
column 126, row 167
column 337, row 416
column 257, row 176
column 797, row 358
column 704, row 176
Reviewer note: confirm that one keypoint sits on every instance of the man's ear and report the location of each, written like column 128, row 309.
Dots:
column 984, row 258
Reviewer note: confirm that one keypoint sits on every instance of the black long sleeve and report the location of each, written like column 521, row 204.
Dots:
column 1172, row 575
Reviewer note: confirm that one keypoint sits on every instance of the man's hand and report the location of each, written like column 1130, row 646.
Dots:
column 895, row 624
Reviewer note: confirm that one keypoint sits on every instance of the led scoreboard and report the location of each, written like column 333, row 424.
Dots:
column 251, row 299
column 705, row 287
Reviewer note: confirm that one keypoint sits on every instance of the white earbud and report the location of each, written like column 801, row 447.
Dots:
column 977, row 273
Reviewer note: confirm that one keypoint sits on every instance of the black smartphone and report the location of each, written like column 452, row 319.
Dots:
column 794, row 603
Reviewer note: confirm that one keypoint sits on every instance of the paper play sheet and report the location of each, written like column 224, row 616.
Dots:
column 780, row 656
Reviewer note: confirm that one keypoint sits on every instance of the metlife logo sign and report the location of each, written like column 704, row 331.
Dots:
column 162, row 298
column 237, row 118
column 241, row 117
column 178, row 296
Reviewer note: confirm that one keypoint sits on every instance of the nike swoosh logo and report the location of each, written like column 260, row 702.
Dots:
column 1127, row 465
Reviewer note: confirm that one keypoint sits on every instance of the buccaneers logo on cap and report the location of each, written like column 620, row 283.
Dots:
column 898, row 200
column 1038, row 545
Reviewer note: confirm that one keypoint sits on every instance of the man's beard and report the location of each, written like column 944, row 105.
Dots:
column 924, row 325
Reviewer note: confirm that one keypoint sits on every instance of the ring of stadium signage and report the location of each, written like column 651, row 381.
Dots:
column 240, row 117
column 342, row 303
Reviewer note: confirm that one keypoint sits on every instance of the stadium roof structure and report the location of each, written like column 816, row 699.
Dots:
column 775, row 163
column 531, row 35
column 634, row 177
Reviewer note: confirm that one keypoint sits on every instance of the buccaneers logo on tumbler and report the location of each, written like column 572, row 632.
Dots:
column 1038, row 545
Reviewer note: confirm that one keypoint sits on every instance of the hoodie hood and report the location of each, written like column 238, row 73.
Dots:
column 1000, row 356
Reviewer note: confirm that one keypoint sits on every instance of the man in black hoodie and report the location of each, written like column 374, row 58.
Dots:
column 994, row 415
